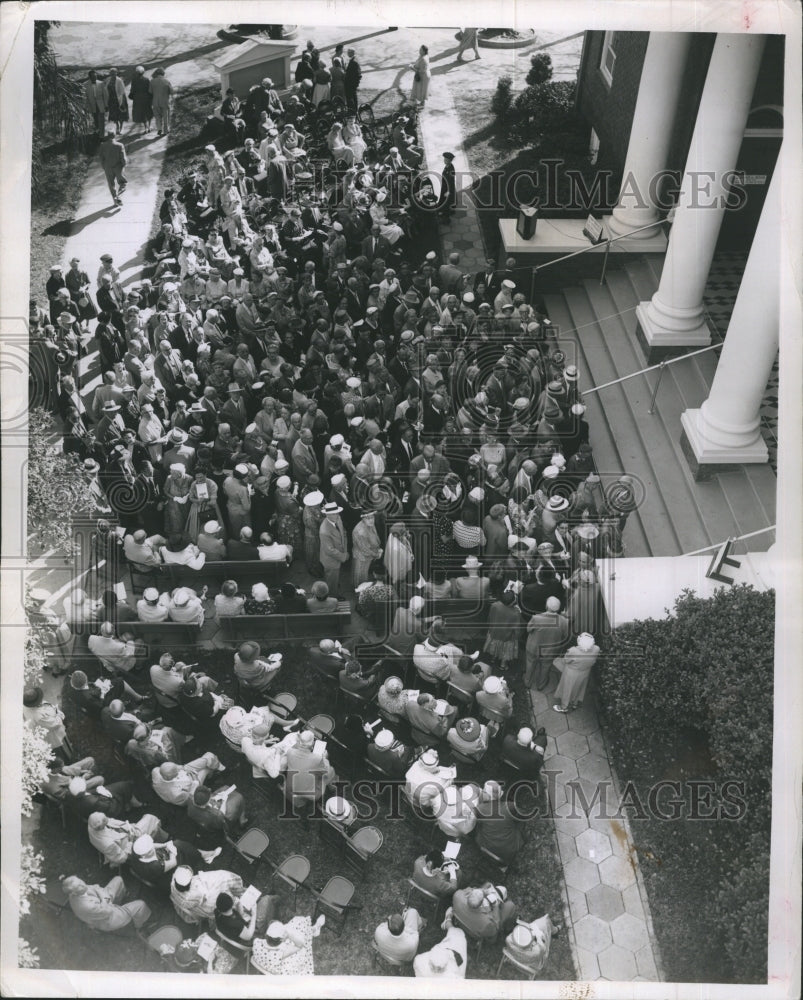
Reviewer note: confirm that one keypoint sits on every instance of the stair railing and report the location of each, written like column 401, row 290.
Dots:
column 592, row 246
column 660, row 366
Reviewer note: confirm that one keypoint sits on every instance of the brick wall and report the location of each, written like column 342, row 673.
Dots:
column 609, row 108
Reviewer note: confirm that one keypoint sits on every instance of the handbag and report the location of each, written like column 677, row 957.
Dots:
column 417, row 77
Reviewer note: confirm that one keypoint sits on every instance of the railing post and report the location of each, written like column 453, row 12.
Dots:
column 657, row 385
column 532, row 285
column 605, row 262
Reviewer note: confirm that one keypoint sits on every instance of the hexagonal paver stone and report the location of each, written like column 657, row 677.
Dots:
column 572, row 827
column 605, row 902
column 615, row 831
column 566, row 847
column 584, row 720
column 578, row 904
column 617, row 964
column 553, row 722
column 572, row 745
column 565, row 767
column 593, row 845
column 645, row 963
column 581, row 874
column 630, row 932
column 594, row 935
column 588, row 966
column 617, row 872
column 632, row 900
column 590, row 798
column 594, row 766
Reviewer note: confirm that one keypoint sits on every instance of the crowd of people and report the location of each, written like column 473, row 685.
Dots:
column 299, row 378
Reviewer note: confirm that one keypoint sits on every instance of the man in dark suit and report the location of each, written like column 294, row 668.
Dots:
column 352, row 80
column 404, row 451
column 242, row 548
column 118, row 723
column 429, row 459
column 375, row 245
column 491, row 278
column 526, row 752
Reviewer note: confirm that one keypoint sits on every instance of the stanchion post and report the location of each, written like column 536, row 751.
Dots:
column 655, row 388
column 605, row 262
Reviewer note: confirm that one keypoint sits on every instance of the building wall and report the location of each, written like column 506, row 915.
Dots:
column 609, row 108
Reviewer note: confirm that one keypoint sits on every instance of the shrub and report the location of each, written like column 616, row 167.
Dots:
column 740, row 914
column 36, row 757
column 544, row 109
column 502, row 98
column 540, row 69
column 57, row 488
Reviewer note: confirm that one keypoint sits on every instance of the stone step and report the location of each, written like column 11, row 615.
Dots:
column 610, row 354
column 662, row 427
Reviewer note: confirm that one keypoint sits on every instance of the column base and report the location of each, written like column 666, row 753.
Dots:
column 658, row 343
column 705, row 459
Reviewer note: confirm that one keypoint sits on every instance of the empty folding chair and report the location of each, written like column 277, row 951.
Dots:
column 294, row 872
column 252, row 845
column 335, row 900
column 362, row 846
column 507, row 958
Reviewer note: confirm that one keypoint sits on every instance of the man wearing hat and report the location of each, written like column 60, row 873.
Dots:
column 152, row 606
column 333, row 545
column 156, row 862
column 178, row 451
column 472, row 586
column 50, row 718
column 113, row 159
column 448, row 197
column 448, row 958
column 426, row 779
column 390, row 754
column 185, row 606
column 495, row 699
column 505, row 296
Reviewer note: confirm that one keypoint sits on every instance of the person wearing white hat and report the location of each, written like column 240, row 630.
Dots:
column 333, row 546
column 390, row 754
column 186, row 606
column 115, row 838
column 472, row 586
column 426, row 779
column 286, row 949
column 194, row 894
column 575, row 668
column 547, row 635
column 156, row 862
column 152, row 606
column 529, row 943
column 210, row 541
column 448, row 958
column 495, row 699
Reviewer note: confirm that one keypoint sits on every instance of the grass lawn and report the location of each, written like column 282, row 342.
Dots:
column 62, row 181
column 534, row 883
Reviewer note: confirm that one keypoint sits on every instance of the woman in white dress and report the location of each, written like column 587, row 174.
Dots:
column 194, row 896
column 337, row 145
column 420, row 67
column 352, row 136
column 286, row 950
column 390, row 230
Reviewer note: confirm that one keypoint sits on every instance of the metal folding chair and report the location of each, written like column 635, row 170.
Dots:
column 252, row 845
column 362, row 846
column 335, row 900
column 294, row 872
column 508, row 959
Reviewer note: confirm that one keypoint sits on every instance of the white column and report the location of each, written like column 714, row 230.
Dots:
column 674, row 316
column 647, row 151
column 726, row 428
